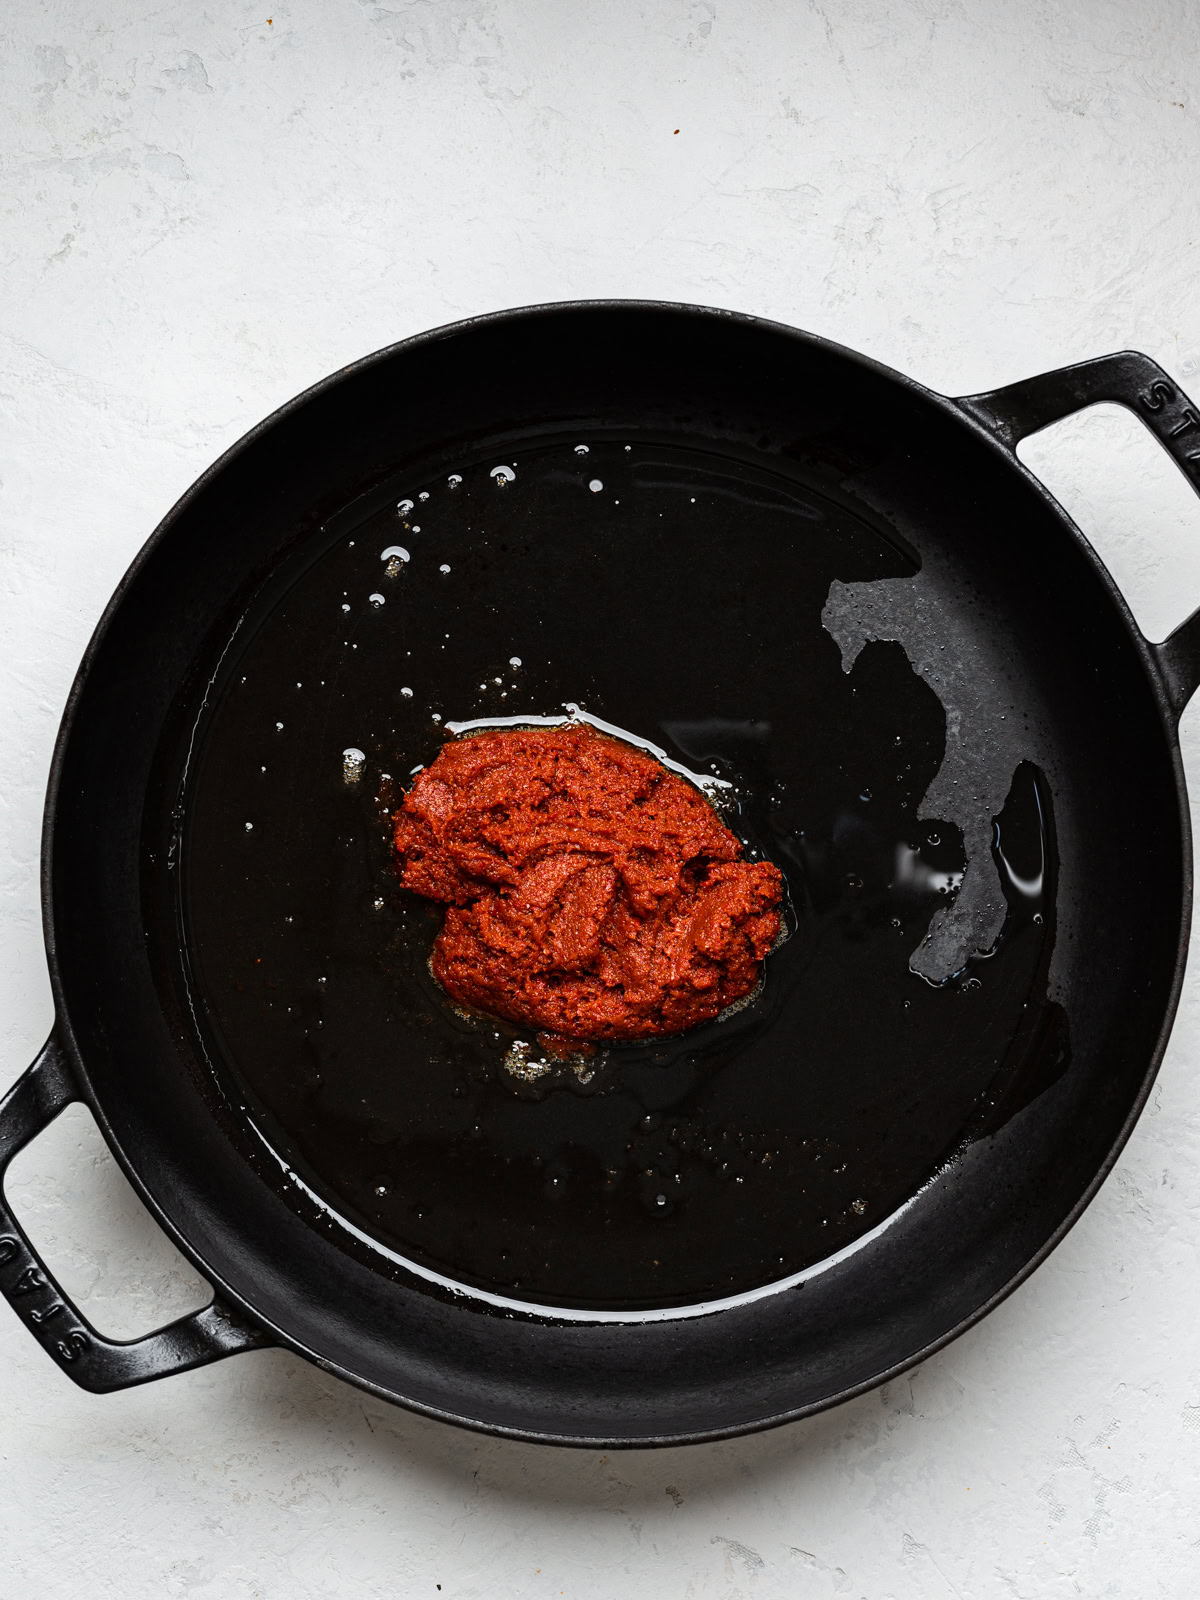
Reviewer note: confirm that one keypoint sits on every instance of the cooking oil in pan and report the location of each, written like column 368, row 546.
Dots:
column 674, row 596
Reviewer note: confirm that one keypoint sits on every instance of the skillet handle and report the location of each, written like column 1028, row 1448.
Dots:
column 1129, row 379
column 94, row 1362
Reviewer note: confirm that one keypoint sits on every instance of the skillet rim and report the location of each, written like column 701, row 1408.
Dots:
column 1149, row 658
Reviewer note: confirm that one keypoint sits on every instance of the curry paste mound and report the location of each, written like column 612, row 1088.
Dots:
column 591, row 893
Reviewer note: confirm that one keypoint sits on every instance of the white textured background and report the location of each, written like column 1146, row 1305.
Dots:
column 205, row 211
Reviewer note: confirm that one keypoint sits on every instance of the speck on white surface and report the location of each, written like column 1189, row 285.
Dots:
column 206, row 209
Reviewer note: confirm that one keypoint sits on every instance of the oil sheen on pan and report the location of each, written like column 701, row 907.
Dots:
column 674, row 598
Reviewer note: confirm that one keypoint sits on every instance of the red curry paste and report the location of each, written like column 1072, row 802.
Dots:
column 591, row 892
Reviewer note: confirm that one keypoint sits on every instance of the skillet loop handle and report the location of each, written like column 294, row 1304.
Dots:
column 95, row 1363
column 1130, row 379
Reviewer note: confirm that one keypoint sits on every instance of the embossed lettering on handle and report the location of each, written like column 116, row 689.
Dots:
column 22, row 1276
column 91, row 1360
column 1175, row 415
column 73, row 1346
column 1159, row 394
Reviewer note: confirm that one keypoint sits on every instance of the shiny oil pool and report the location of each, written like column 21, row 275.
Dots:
column 674, row 595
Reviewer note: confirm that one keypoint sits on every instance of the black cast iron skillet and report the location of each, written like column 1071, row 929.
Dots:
column 788, row 570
